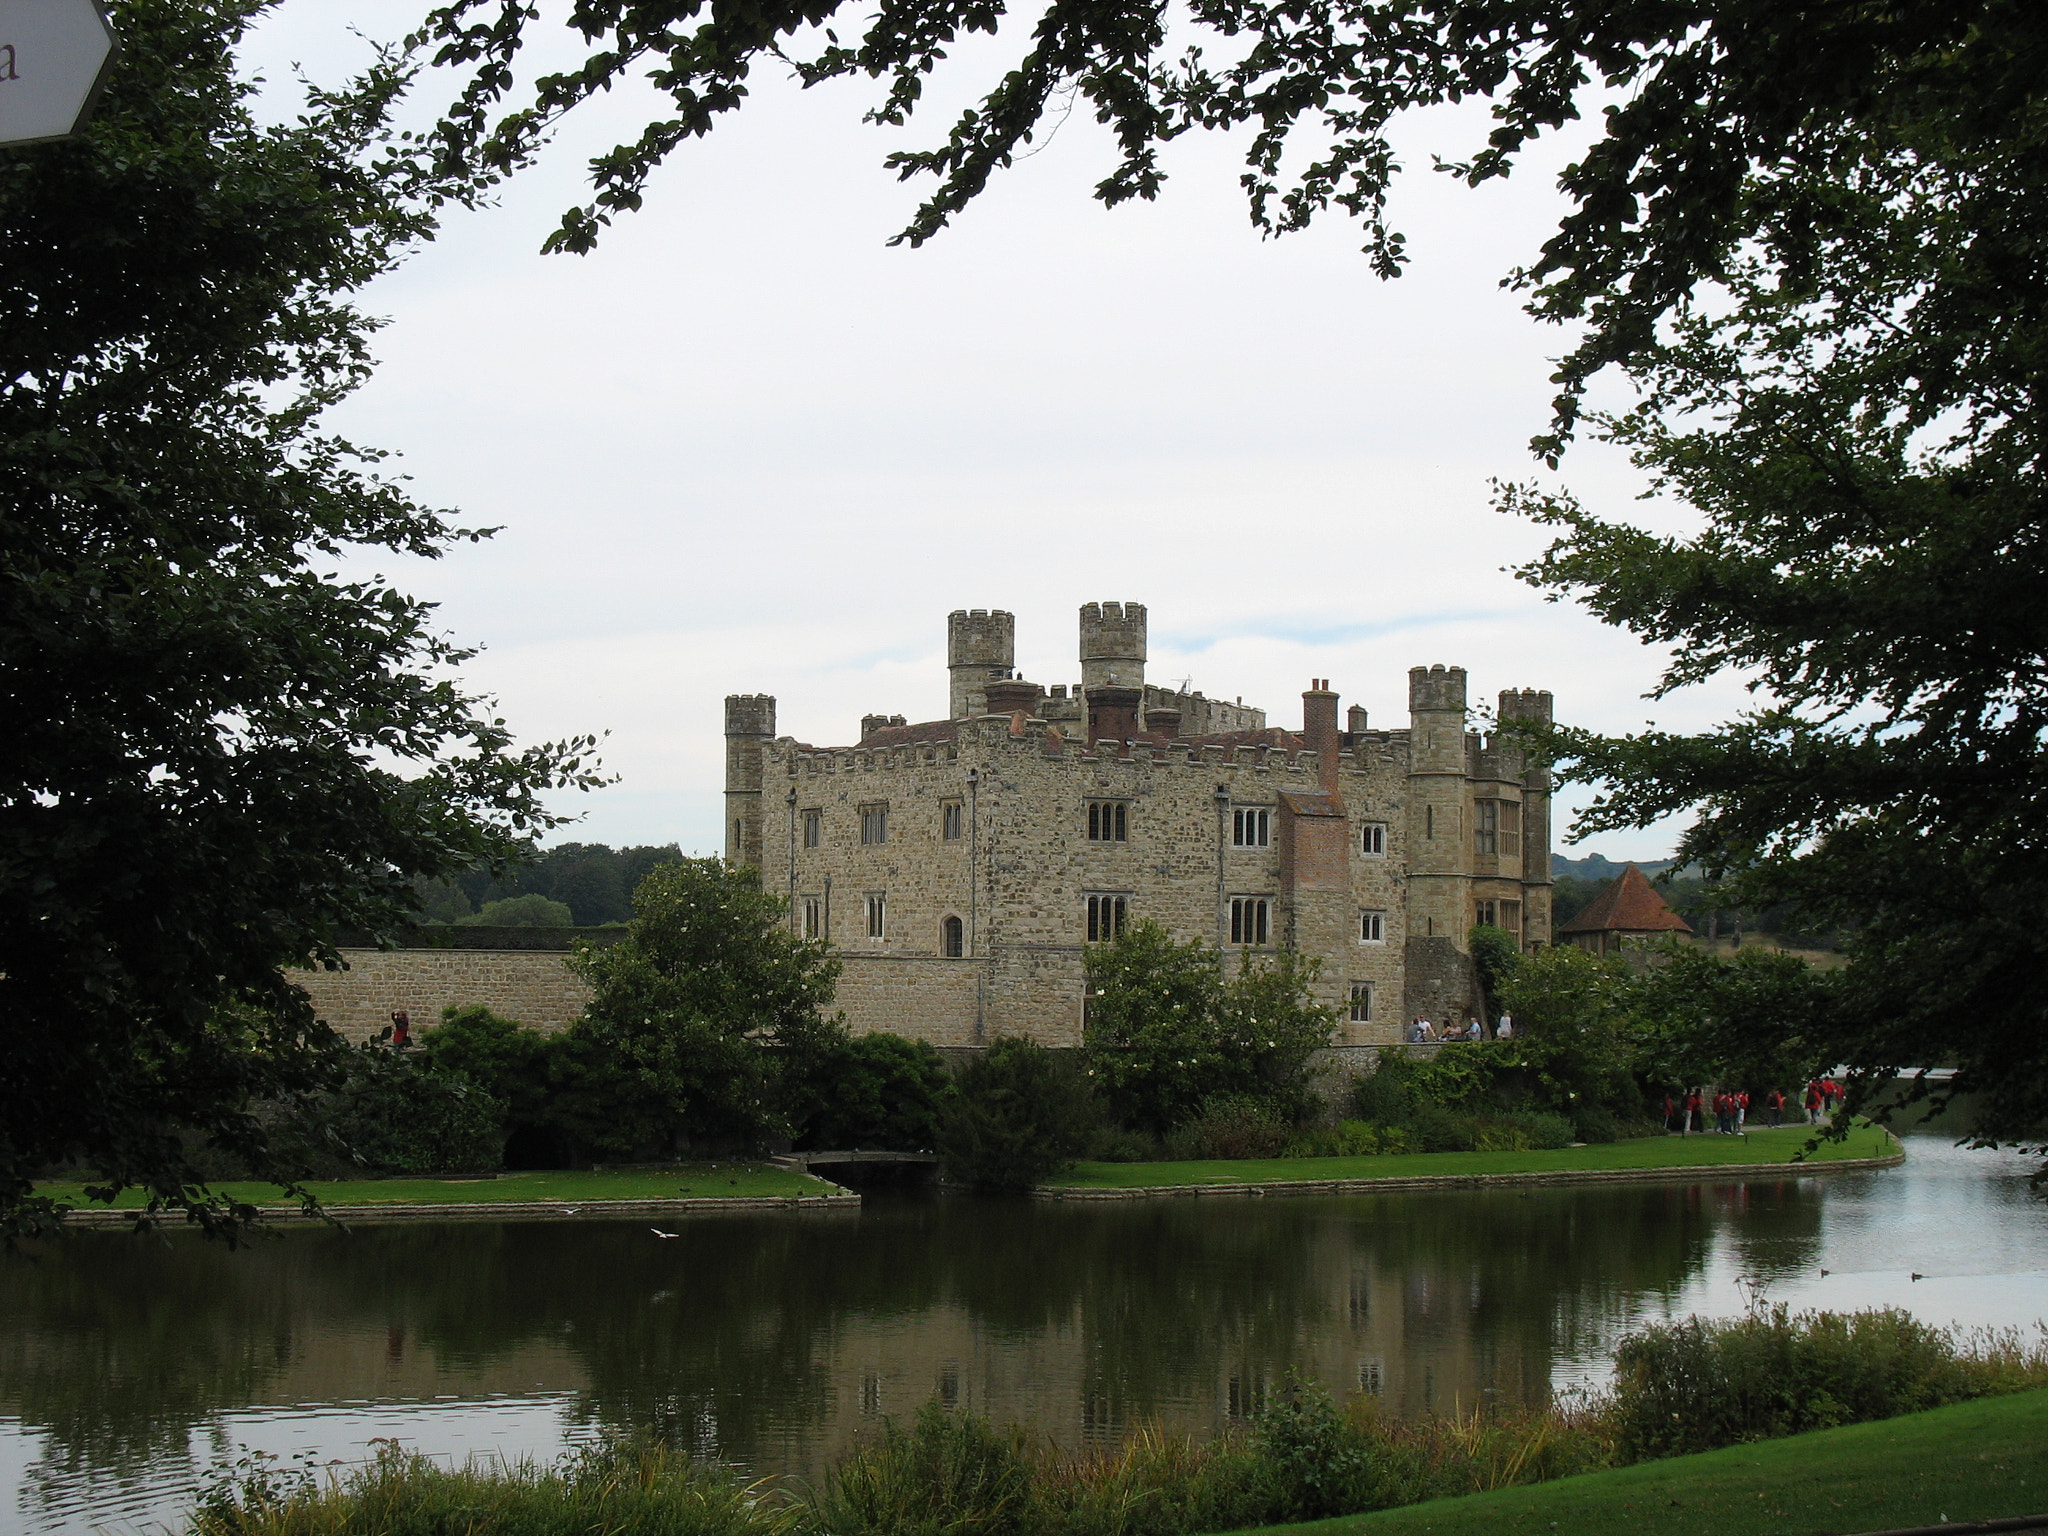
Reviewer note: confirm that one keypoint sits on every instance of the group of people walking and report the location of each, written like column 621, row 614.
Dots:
column 1685, row 1110
column 1422, row 1032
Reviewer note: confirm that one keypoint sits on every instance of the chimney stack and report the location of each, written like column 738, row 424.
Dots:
column 1012, row 694
column 1113, row 713
column 1319, row 729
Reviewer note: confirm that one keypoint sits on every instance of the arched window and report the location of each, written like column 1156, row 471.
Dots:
column 952, row 938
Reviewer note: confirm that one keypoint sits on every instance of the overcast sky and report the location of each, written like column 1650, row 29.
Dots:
column 748, row 447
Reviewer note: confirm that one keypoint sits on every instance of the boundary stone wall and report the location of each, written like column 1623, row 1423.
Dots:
column 529, row 986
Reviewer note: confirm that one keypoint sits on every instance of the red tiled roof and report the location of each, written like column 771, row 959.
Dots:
column 1630, row 905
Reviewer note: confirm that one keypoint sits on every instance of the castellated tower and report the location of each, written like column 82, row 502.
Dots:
column 749, row 727
column 1113, row 645
column 1439, row 905
column 981, row 644
column 1534, row 705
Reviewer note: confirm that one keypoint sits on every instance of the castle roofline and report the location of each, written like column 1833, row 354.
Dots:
column 929, row 732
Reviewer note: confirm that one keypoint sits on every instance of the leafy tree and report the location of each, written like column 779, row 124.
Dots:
column 521, row 912
column 393, row 1112
column 1708, row 100
column 1020, row 1114
column 708, row 974
column 1495, row 955
column 1580, row 1038
column 589, row 887
column 1167, row 1031
column 1753, row 1020
column 876, row 1092
column 593, row 880
column 1857, row 412
column 193, row 706
column 507, row 1060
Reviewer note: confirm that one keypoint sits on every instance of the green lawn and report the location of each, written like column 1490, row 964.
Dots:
column 1779, row 1146
column 1986, row 1460
column 695, row 1180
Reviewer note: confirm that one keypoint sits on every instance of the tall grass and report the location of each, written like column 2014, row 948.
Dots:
column 625, row 1488
column 1681, row 1387
column 1695, row 1385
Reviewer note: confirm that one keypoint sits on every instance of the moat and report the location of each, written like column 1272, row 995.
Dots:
column 770, row 1340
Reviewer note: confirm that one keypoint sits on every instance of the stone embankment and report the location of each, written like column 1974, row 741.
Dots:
column 517, row 1210
column 1424, row 1183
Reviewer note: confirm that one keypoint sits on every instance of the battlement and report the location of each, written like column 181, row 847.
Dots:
column 1113, row 645
column 995, row 737
column 981, row 637
column 981, row 643
column 750, row 714
column 1525, row 704
column 1436, row 688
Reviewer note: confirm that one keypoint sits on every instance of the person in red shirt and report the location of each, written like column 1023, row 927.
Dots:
column 1774, row 1104
column 1741, row 1108
column 1692, row 1112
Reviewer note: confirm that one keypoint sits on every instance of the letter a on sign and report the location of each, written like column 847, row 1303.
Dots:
column 54, row 55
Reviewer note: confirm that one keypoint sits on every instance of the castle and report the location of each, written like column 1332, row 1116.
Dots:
column 960, row 866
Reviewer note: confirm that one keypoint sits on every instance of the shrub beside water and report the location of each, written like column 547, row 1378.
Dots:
column 1696, row 1385
column 1233, row 1126
column 1019, row 1115
column 626, row 1488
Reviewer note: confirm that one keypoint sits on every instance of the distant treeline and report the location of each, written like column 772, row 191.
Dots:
column 576, row 885
column 1580, row 882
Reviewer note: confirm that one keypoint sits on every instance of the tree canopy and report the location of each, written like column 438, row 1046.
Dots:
column 1722, row 124
column 708, row 974
column 219, row 753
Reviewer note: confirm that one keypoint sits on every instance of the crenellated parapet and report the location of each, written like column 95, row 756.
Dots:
column 1112, row 645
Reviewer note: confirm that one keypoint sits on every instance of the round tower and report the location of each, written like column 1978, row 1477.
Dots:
column 1112, row 645
column 981, row 644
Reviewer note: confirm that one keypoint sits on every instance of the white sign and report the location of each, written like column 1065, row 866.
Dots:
column 53, row 56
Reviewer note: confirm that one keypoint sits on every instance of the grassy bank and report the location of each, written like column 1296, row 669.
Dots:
column 696, row 1181
column 1758, row 1146
column 1986, row 1460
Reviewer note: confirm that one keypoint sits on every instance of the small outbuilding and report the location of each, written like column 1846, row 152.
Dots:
column 1628, row 913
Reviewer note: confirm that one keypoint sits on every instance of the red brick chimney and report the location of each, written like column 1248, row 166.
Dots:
column 1319, row 728
column 1012, row 694
column 1113, row 712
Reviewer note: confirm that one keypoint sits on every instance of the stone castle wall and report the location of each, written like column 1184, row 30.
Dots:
column 531, row 987
column 1019, row 875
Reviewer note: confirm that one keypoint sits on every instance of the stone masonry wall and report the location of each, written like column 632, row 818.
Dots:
column 531, row 987
column 1019, row 875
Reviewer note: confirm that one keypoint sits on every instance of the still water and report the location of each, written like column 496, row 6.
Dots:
column 128, row 1368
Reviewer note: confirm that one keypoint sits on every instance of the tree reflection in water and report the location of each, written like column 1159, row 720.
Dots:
column 772, row 1339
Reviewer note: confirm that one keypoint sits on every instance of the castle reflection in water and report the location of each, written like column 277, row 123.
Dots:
column 774, row 1340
